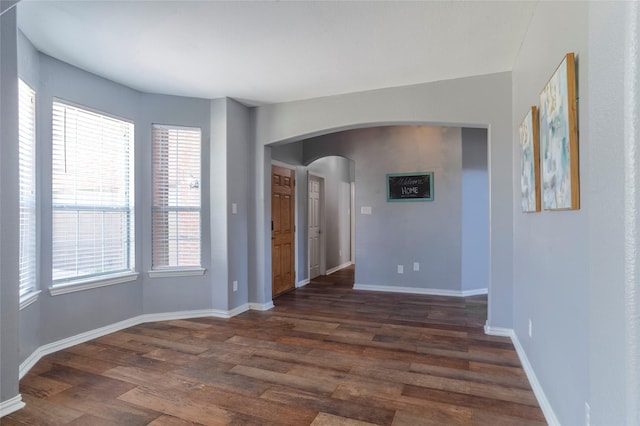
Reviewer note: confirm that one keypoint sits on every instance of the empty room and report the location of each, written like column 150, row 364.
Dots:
column 327, row 213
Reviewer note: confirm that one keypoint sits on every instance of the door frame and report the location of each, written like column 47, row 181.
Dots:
column 295, row 215
column 323, row 225
column 352, row 221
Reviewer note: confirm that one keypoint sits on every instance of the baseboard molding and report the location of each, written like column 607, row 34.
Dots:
column 418, row 290
column 498, row 331
column 9, row 406
column 59, row 345
column 475, row 292
column 178, row 315
column 262, row 306
column 547, row 410
column 337, row 268
column 302, row 283
column 237, row 311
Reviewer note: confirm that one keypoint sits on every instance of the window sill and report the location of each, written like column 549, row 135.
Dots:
column 74, row 286
column 29, row 298
column 184, row 272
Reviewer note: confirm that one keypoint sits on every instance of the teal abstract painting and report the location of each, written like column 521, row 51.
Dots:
column 559, row 139
column 530, row 162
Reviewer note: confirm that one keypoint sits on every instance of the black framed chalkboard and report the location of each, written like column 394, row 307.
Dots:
column 416, row 186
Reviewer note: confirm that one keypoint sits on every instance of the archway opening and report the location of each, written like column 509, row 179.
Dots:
column 432, row 247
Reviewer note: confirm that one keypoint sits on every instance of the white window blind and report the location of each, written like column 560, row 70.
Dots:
column 92, row 194
column 27, row 160
column 176, row 197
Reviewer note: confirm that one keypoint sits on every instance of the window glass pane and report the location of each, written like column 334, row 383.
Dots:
column 93, row 192
column 176, row 196
column 27, row 179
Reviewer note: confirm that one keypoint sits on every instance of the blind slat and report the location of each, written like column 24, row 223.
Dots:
column 176, row 225
column 92, row 194
column 27, row 187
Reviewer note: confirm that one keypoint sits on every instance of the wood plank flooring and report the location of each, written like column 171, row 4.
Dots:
column 326, row 355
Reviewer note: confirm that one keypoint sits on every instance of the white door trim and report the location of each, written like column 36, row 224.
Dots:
column 322, row 249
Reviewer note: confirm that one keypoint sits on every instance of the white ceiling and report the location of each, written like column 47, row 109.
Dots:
column 276, row 51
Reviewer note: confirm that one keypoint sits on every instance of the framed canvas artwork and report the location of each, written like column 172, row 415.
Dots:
column 530, row 162
column 559, row 139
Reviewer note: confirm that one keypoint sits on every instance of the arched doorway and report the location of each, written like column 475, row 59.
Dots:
column 420, row 247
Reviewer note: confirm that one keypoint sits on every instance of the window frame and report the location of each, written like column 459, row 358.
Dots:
column 109, row 277
column 162, row 271
column 28, row 294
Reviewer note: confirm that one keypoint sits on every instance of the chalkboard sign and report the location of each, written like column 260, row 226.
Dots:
column 410, row 186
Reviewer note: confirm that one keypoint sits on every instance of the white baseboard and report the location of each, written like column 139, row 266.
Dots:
column 11, row 405
column 475, row 292
column 498, row 331
column 337, row 268
column 419, row 290
column 170, row 316
column 302, row 283
column 59, row 345
column 237, row 311
column 261, row 306
column 547, row 410
column 52, row 347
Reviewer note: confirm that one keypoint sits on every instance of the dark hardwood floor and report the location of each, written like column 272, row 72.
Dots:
column 326, row 355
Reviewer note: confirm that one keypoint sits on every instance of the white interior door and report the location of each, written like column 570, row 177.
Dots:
column 314, row 226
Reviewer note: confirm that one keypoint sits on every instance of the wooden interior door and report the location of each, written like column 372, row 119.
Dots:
column 282, row 230
column 314, row 227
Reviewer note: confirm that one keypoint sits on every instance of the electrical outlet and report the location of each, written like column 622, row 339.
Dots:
column 416, row 266
column 235, row 286
column 530, row 327
column 587, row 414
column 400, row 269
column 340, row 253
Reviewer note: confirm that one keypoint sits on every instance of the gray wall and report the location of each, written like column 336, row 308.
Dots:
column 338, row 172
column 101, row 306
column 29, row 72
column 239, row 143
column 475, row 210
column 403, row 233
column 551, row 248
column 612, row 189
column 9, row 199
column 52, row 318
column 337, row 215
column 290, row 153
column 573, row 273
column 165, row 294
column 482, row 101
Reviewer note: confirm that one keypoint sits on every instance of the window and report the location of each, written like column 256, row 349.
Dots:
column 27, row 178
column 92, row 195
column 176, row 197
